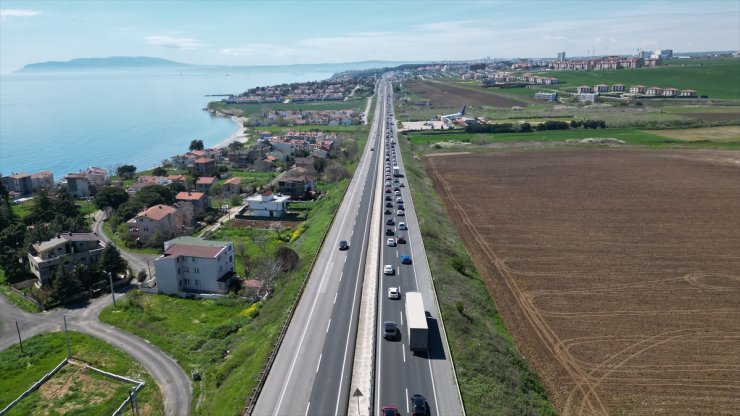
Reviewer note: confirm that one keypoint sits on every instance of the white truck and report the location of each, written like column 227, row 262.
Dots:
column 416, row 320
column 396, row 171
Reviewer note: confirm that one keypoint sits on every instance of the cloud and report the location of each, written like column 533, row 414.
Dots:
column 165, row 41
column 18, row 13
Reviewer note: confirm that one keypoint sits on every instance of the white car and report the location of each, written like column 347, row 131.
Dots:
column 402, row 226
column 391, row 242
column 388, row 270
column 394, row 293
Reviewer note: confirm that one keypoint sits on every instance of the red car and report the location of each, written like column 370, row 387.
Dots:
column 389, row 411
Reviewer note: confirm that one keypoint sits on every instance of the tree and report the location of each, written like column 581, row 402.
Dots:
column 111, row 260
column 159, row 171
column 196, row 145
column 126, row 171
column 319, row 164
column 235, row 146
column 287, row 258
column 112, row 196
column 64, row 284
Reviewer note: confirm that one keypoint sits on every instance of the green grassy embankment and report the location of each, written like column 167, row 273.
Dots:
column 245, row 110
column 631, row 136
column 494, row 378
column 43, row 352
column 17, row 299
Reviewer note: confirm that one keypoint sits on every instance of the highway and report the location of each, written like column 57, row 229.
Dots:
column 312, row 370
column 399, row 373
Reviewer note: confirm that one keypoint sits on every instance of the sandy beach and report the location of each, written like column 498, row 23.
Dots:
column 238, row 134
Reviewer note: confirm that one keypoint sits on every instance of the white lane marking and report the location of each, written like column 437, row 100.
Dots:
column 341, row 275
column 307, row 407
column 328, row 325
column 396, row 254
column 434, row 389
column 345, row 259
column 401, row 313
column 407, row 400
column 319, row 363
column 335, row 297
column 403, row 350
column 351, row 203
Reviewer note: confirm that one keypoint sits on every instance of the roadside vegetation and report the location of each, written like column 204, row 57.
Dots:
column 227, row 341
column 72, row 394
column 494, row 377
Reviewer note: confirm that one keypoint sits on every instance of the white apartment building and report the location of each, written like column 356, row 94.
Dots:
column 191, row 264
column 268, row 204
column 66, row 250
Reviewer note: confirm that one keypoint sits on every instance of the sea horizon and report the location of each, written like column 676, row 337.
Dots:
column 65, row 122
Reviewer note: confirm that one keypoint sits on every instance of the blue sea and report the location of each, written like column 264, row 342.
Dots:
column 65, row 122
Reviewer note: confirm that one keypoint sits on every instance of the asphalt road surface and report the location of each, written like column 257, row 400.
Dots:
column 312, row 370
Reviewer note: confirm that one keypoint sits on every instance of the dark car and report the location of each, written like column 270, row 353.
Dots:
column 389, row 231
column 400, row 240
column 389, row 331
column 343, row 245
column 388, row 198
column 387, row 190
column 388, row 212
column 389, row 204
column 419, row 405
column 390, row 221
column 389, row 411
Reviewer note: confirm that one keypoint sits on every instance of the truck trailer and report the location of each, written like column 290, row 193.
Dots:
column 396, row 171
column 416, row 320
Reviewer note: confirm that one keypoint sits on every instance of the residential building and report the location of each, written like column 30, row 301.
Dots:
column 637, row 89
column 204, row 165
column 670, row 92
column 687, row 93
column 20, row 184
column 205, row 183
column 601, row 88
column 42, row 180
column 77, row 185
column 561, row 56
column 654, row 91
column 66, row 250
column 200, row 201
column 584, row 89
column 268, row 205
column 304, row 162
column 195, row 265
column 547, row 96
column 232, row 186
column 161, row 222
column 96, row 176
column 587, row 96
column 618, row 87
column 297, row 181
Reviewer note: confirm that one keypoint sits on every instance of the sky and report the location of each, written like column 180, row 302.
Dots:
column 277, row 32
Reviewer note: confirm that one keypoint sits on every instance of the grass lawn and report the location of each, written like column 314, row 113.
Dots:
column 219, row 338
column 716, row 78
column 488, row 366
column 17, row 299
column 629, row 135
column 23, row 209
column 43, row 352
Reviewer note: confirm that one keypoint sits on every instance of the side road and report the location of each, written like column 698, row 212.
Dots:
column 172, row 380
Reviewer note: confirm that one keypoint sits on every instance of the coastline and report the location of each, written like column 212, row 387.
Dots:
column 238, row 134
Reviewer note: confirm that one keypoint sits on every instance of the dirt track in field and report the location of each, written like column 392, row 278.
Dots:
column 445, row 96
column 617, row 271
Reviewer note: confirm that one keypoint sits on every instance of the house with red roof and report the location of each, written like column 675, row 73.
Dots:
column 195, row 265
column 205, row 183
column 161, row 222
column 201, row 202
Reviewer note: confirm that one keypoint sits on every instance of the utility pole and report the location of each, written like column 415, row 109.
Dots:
column 66, row 335
column 19, row 336
column 113, row 295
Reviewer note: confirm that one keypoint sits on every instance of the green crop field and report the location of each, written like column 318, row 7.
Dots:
column 716, row 78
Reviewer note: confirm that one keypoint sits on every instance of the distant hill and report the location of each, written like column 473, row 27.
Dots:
column 103, row 63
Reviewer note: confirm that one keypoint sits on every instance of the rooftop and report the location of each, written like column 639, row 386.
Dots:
column 157, row 212
column 206, row 180
column 189, row 196
column 192, row 251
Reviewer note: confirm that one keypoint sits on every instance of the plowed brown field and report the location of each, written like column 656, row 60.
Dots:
column 617, row 271
column 444, row 96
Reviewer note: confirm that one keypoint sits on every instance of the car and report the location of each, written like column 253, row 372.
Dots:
column 397, row 189
column 405, row 259
column 389, row 411
column 343, row 245
column 401, row 213
column 399, row 200
column 388, row 212
column 394, row 293
column 402, row 226
column 389, row 231
column 390, row 221
column 397, row 193
column 372, row 149
column 388, row 198
column 400, row 240
column 400, row 207
column 402, row 185
column 419, row 405
column 389, row 204
column 389, row 331
column 387, row 190
column 391, row 242
column 388, row 270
